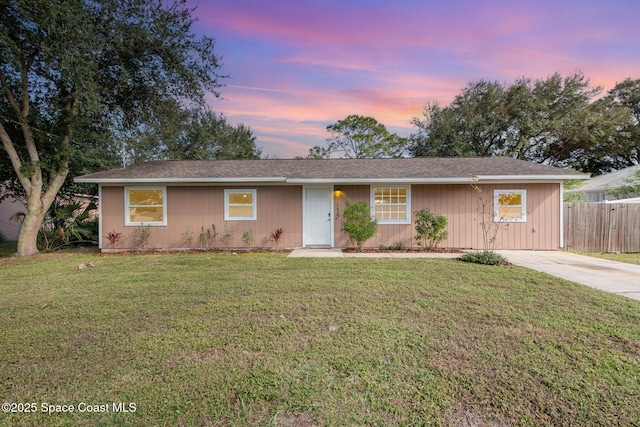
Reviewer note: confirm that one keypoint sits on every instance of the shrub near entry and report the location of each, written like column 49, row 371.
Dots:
column 358, row 223
column 431, row 229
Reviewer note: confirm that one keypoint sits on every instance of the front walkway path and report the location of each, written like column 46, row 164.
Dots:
column 337, row 253
column 611, row 276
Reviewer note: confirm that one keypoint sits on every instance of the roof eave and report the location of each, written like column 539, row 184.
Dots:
column 582, row 176
column 126, row 181
column 344, row 181
column 454, row 180
column 356, row 181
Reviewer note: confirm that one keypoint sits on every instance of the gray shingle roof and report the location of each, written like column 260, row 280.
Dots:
column 610, row 181
column 422, row 169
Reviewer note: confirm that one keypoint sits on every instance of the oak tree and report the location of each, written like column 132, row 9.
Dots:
column 359, row 137
column 560, row 121
column 73, row 70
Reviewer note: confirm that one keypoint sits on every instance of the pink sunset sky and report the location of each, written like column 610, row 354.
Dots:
column 295, row 67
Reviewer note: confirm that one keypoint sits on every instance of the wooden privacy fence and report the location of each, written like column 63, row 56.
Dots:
column 602, row 227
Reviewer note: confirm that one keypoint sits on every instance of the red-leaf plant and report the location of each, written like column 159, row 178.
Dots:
column 113, row 237
column 277, row 235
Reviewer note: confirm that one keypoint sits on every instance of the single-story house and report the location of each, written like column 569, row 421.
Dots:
column 178, row 201
column 607, row 187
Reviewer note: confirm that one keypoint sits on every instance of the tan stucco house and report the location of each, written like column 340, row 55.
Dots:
column 178, row 199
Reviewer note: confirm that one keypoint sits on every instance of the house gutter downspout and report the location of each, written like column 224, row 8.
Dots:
column 561, row 214
column 100, row 217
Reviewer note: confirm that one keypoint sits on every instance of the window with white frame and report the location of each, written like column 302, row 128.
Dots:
column 391, row 205
column 510, row 205
column 145, row 205
column 239, row 205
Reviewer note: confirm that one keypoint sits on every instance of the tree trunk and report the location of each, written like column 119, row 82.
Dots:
column 28, row 237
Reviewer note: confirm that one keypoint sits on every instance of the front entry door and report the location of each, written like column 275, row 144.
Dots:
column 318, row 222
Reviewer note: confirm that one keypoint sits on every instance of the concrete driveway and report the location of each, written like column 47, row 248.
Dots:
column 611, row 276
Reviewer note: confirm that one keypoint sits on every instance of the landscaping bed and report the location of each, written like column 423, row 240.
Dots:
column 405, row 250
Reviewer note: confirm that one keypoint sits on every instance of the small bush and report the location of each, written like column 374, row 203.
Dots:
column 208, row 237
column 141, row 236
column 113, row 237
column 227, row 235
column 276, row 235
column 397, row 246
column 187, row 236
column 484, row 257
column 358, row 223
column 247, row 238
column 431, row 229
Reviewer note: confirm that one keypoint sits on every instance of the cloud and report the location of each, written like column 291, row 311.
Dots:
column 297, row 66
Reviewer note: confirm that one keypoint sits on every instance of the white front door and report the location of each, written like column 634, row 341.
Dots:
column 318, row 221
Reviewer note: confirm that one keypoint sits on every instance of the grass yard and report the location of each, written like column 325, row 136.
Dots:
column 630, row 258
column 260, row 339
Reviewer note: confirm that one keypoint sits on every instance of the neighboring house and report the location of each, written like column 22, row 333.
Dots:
column 8, row 208
column 603, row 187
column 181, row 199
column 9, row 227
column 619, row 201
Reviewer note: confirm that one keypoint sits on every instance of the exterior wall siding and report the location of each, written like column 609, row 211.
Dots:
column 192, row 208
column 460, row 204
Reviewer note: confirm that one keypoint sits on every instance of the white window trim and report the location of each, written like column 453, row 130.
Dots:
column 496, row 206
column 128, row 223
column 254, row 207
column 372, row 194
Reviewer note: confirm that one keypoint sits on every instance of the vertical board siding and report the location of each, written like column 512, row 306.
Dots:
column 461, row 206
column 193, row 209
column 112, row 217
column 602, row 227
column 353, row 193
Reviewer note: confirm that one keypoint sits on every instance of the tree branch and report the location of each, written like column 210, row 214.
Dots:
column 15, row 158
column 8, row 94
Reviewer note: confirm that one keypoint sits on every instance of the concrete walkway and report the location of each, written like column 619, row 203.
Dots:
column 611, row 276
column 337, row 253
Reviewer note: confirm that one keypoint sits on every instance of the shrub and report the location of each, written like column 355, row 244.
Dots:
column 66, row 223
column 227, row 235
column 277, row 235
column 141, row 236
column 208, row 237
column 113, row 237
column 358, row 223
column 247, row 238
column 187, row 236
column 397, row 246
column 431, row 228
column 484, row 257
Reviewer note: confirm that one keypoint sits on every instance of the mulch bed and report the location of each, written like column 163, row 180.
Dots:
column 234, row 251
column 408, row 250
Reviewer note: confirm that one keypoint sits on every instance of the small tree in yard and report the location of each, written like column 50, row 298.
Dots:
column 431, row 229
column 358, row 223
column 490, row 229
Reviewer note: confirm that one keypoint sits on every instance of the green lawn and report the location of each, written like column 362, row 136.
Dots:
column 260, row 339
column 631, row 258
